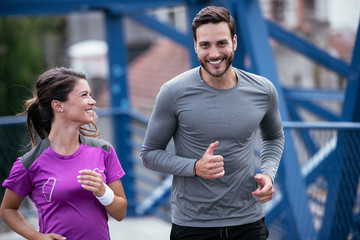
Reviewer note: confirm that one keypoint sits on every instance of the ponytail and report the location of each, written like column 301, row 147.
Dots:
column 55, row 83
column 33, row 119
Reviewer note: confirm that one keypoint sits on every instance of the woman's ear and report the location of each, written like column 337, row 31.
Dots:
column 56, row 106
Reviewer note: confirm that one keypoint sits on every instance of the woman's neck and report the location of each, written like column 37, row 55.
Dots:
column 64, row 141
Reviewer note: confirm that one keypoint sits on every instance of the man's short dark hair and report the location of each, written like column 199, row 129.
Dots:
column 213, row 14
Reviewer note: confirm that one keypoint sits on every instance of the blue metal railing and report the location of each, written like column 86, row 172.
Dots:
column 152, row 189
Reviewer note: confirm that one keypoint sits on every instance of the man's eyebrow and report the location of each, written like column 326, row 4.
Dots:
column 203, row 42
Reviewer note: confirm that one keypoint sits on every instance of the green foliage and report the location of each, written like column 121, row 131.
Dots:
column 28, row 46
column 16, row 144
column 24, row 51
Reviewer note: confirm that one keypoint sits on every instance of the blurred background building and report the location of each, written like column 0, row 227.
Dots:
column 329, row 24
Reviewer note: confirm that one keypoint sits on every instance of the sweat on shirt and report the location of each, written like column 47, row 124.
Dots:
column 50, row 181
column 195, row 114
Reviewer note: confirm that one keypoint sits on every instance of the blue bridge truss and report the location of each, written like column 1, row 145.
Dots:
column 254, row 32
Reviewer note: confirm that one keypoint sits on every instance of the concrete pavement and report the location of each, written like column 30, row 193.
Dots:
column 131, row 228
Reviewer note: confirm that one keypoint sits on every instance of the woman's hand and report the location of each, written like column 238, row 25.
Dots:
column 92, row 181
column 52, row 236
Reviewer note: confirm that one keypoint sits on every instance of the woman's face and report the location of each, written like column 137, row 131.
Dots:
column 79, row 106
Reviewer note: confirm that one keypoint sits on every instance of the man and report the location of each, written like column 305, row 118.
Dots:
column 212, row 113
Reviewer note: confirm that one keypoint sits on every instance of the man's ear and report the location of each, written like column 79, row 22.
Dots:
column 195, row 45
column 235, row 42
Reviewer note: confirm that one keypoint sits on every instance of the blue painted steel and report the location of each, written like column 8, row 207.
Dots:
column 158, row 196
column 289, row 220
column 163, row 28
column 193, row 9
column 130, row 7
column 318, row 110
column 12, row 120
column 36, row 7
column 253, row 43
column 352, row 97
column 304, row 134
column 313, row 95
column 253, row 29
column 343, row 178
column 119, row 98
column 306, row 48
column 240, row 53
column 345, row 171
column 322, row 125
column 307, row 98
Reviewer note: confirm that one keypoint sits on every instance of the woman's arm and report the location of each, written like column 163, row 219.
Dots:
column 117, row 209
column 9, row 212
column 92, row 181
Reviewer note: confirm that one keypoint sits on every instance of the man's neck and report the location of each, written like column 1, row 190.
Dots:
column 226, row 81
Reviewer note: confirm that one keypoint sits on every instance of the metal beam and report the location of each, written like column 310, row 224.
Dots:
column 308, row 49
column 163, row 28
column 345, row 171
column 292, row 94
column 318, row 110
column 352, row 95
column 43, row 7
column 119, row 98
column 256, row 41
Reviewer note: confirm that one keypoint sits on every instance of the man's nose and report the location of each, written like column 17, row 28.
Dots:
column 214, row 52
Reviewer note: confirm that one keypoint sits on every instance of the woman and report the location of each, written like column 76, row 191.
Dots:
column 71, row 176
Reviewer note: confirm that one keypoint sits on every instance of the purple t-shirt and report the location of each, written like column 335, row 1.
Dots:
column 50, row 180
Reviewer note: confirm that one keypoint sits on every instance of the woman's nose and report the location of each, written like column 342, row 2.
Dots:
column 92, row 101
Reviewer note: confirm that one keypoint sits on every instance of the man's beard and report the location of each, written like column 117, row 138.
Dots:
column 229, row 61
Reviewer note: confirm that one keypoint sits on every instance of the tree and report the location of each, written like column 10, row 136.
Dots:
column 28, row 46
column 25, row 46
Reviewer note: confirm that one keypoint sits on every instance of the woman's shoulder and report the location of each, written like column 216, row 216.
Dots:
column 29, row 158
column 95, row 142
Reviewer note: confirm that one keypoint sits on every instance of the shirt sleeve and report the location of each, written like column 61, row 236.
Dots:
column 160, row 130
column 272, row 134
column 19, row 180
column 114, row 170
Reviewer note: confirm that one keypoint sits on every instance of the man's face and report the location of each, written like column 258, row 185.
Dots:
column 215, row 48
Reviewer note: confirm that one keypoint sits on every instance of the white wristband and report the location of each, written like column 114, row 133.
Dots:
column 108, row 196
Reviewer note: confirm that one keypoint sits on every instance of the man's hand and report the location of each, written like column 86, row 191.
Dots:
column 210, row 166
column 265, row 191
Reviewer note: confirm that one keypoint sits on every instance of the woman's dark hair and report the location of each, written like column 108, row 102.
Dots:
column 213, row 14
column 54, row 84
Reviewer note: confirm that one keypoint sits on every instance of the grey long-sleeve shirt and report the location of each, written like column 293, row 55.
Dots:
column 195, row 115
